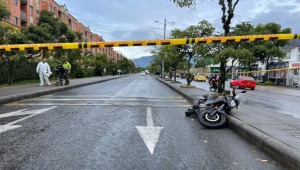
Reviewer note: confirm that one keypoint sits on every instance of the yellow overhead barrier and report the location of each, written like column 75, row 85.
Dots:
column 207, row 40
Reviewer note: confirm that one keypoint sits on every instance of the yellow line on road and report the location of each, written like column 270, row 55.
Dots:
column 15, row 104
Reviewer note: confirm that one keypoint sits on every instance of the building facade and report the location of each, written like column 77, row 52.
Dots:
column 27, row 12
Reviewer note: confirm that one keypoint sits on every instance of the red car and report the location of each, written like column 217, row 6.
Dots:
column 244, row 82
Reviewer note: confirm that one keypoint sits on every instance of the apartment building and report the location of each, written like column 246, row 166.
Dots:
column 27, row 12
column 23, row 12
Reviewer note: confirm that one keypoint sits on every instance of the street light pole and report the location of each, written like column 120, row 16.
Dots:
column 165, row 26
column 162, row 62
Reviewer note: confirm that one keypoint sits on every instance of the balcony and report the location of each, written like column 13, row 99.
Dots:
column 23, row 17
column 23, row 2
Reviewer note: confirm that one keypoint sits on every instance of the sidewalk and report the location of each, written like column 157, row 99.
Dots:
column 278, row 135
column 9, row 94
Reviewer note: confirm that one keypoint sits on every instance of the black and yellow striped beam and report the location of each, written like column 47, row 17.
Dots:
column 206, row 40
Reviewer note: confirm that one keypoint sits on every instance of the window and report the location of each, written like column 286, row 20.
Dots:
column 7, row 19
column 288, row 55
column 31, row 11
column 16, row 20
column 248, row 78
column 37, row 13
column 37, row 2
column 16, row 2
column 55, row 11
column 50, row 8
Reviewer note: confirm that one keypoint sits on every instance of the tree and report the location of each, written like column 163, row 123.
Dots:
column 195, row 51
column 4, row 12
column 269, row 51
column 201, row 64
column 172, row 57
column 228, row 8
column 100, row 62
column 126, row 64
column 225, row 56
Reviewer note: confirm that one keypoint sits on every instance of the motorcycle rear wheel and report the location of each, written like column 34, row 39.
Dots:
column 217, row 121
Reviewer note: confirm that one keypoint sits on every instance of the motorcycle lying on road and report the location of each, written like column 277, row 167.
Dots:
column 212, row 110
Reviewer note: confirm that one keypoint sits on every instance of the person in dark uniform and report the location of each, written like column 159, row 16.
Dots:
column 59, row 74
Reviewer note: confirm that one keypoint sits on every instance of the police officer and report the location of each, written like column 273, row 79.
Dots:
column 59, row 74
column 67, row 67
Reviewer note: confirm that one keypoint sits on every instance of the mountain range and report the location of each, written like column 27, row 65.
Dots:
column 142, row 61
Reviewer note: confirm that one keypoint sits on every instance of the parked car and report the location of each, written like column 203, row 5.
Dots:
column 244, row 82
column 143, row 73
column 200, row 77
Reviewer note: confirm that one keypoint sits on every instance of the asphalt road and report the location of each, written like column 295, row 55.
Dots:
column 130, row 123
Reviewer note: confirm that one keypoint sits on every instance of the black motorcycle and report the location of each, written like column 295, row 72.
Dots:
column 213, row 110
column 214, row 115
column 199, row 103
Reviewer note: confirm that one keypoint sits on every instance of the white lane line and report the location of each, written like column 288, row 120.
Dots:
column 102, row 96
column 84, row 99
column 31, row 113
column 149, row 117
column 96, row 104
column 123, row 89
column 15, row 113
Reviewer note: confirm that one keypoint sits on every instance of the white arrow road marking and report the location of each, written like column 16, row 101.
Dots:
column 149, row 133
column 11, row 125
column 15, row 113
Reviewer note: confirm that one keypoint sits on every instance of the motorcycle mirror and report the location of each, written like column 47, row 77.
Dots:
column 244, row 91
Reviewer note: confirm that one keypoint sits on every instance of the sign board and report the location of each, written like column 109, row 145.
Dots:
column 296, row 65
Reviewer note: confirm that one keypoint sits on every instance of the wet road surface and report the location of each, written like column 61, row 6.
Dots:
column 129, row 123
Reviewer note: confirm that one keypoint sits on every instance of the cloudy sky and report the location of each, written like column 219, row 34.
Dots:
column 134, row 19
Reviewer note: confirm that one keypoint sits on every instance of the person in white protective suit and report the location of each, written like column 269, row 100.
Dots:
column 44, row 71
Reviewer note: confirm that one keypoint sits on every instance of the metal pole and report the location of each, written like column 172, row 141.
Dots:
column 162, row 62
column 165, row 25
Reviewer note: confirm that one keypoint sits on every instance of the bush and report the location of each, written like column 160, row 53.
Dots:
column 17, row 69
column 268, row 83
column 82, row 72
column 79, row 72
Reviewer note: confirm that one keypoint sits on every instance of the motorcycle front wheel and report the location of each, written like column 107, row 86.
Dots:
column 212, row 122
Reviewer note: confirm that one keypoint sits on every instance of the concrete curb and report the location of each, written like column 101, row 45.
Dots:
column 279, row 151
column 8, row 99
